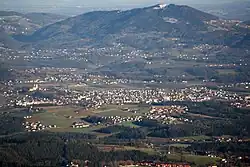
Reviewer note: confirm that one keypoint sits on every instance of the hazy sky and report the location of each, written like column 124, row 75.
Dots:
column 79, row 6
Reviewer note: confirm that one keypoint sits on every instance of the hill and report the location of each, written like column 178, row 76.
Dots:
column 7, row 41
column 105, row 27
column 13, row 23
column 44, row 19
column 18, row 23
column 5, row 72
column 10, row 13
column 243, row 43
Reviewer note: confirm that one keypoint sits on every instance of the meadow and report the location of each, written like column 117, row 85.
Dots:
column 64, row 117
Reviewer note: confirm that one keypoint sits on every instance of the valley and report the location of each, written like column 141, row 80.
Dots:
column 164, row 84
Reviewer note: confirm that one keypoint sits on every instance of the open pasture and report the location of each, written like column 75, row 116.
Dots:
column 62, row 117
column 121, row 110
column 198, row 160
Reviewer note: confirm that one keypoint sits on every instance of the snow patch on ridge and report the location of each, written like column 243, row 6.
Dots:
column 161, row 6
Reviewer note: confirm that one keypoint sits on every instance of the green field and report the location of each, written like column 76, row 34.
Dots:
column 126, row 148
column 90, row 85
column 121, row 110
column 63, row 117
column 2, row 100
column 195, row 138
column 130, row 124
column 198, row 160
column 226, row 71
column 54, row 119
column 81, row 130
column 179, row 145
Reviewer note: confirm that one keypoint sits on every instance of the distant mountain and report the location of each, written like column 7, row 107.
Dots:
column 10, row 13
column 247, row 22
column 239, row 10
column 18, row 23
column 14, row 23
column 111, row 26
column 44, row 19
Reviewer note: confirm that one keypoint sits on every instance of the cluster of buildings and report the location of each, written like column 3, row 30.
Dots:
column 30, row 101
column 226, row 65
column 164, row 114
column 69, row 75
column 241, row 104
column 194, row 57
column 200, row 94
column 245, row 85
column 225, row 25
column 95, row 98
column 85, row 55
column 169, row 109
column 162, row 164
column 89, row 98
column 225, row 139
column 36, row 126
column 128, row 96
column 133, row 164
column 207, row 47
column 16, row 24
column 119, row 119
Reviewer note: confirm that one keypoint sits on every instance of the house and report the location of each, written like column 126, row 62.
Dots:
column 161, row 164
column 80, row 125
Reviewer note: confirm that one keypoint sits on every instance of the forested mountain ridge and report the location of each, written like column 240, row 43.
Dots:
column 101, row 27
